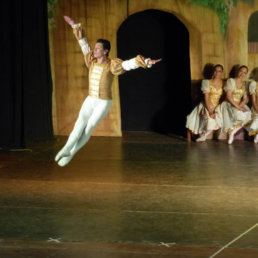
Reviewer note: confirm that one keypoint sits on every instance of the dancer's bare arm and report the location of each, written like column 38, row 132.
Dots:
column 254, row 102
column 244, row 101
column 208, row 105
column 232, row 102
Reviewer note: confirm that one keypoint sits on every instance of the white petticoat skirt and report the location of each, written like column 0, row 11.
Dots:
column 233, row 118
column 199, row 121
column 253, row 129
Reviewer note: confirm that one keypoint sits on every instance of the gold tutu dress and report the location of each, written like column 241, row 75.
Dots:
column 199, row 120
column 231, row 116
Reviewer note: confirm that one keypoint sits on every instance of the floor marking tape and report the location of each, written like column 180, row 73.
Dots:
column 234, row 240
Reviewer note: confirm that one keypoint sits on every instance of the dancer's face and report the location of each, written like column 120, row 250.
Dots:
column 217, row 73
column 99, row 51
column 242, row 72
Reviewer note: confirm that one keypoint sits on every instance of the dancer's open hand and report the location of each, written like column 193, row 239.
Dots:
column 77, row 29
column 152, row 62
column 69, row 20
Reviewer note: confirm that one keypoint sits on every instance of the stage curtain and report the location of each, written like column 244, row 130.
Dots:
column 26, row 84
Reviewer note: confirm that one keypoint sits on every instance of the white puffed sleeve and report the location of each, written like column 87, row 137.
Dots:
column 130, row 64
column 77, row 25
column 84, row 46
column 252, row 87
column 205, row 86
column 134, row 63
column 230, row 85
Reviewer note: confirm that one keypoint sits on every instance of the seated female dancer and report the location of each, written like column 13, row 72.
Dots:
column 235, row 113
column 205, row 118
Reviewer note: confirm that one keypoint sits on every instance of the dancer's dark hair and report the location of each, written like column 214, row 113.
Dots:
column 218, row 65
column 106, row 44
column 243, row 66
column 208, row 71
column 235, row 70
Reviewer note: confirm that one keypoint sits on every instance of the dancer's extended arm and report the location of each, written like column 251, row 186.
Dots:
column 138, row 61
column 134, row 63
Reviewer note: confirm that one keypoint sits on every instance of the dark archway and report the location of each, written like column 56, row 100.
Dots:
column 157, row 99
column 252, row 27
column 253, row 33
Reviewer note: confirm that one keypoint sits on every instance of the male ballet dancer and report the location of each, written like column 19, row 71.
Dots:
column 97, row 105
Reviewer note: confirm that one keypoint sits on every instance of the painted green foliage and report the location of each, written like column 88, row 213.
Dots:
column 51, row 12
column 221, row 7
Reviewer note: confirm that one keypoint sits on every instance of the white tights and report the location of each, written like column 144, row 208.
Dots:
column 93, row 110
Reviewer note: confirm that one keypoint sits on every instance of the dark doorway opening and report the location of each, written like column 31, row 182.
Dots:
column 156, row 99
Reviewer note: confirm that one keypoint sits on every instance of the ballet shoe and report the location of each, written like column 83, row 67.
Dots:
column 231, row 138
column 61, row 154
column 202, row 138
column 64, row 161
column 256, row 138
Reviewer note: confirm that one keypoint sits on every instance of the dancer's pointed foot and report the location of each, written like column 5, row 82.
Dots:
column 62, row 153
column 231, row 138
column 256, row 138
column 202, row 138
column 204, row 135
column 64, row 161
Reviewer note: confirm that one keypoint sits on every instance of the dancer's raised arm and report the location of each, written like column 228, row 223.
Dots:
column 79, row 35
column 118, row 66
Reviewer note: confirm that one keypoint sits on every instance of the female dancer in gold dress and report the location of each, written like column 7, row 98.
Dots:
column 205, row 118
column 235, row 113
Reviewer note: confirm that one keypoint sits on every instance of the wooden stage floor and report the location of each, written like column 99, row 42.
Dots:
column 142, row 195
